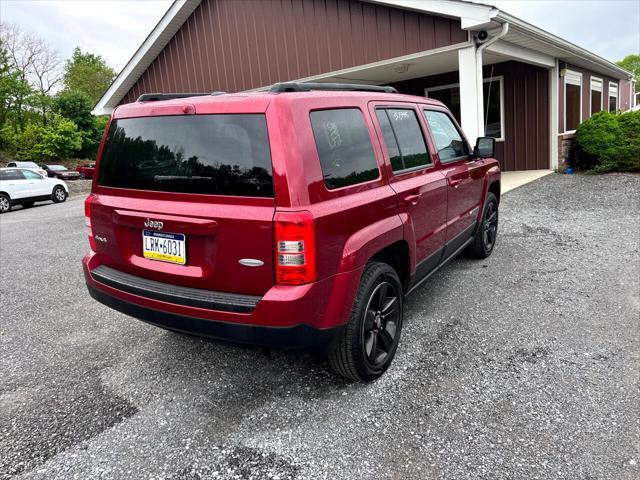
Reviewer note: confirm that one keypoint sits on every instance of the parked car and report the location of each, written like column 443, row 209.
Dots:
column 293, row 218
column 30, row 165
column 60, row 171
column 21, row 186
column 87, row 170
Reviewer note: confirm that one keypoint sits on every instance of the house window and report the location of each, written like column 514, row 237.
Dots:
column 596, row 95
column 572, row 100
column 613, row 97
column 493, row 104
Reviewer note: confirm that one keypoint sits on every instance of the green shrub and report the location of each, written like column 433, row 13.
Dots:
column 58, row 140
column 608, row 142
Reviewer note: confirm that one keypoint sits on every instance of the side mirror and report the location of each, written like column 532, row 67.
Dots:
column 485, row 147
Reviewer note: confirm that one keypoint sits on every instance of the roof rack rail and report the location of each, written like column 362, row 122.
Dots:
column 156, row 97
column 307, row 87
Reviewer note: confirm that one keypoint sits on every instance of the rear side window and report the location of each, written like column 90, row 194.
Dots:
column 11, row 175
column 29, row 175
column 344, row 147
column 448, row 140
column 205, row 154
column 404, row 139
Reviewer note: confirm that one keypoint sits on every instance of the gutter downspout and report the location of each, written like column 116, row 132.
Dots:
column 479, row 77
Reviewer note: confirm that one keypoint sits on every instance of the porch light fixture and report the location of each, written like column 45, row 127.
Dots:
column 401, row 67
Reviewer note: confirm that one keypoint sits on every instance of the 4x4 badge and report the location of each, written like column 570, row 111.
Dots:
column 153, row 224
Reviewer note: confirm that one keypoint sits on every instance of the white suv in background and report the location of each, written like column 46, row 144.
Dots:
column 29, row 166
column 21, row 186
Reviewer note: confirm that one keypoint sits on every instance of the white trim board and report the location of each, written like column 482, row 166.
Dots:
column 382, row 63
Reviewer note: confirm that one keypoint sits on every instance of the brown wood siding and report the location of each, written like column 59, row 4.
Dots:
column 526, row 111
column 235, row 45
column 586, row 94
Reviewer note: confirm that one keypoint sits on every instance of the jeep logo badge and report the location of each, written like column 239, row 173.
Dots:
column 153, row 224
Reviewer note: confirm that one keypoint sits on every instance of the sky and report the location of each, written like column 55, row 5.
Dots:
column 116, row 28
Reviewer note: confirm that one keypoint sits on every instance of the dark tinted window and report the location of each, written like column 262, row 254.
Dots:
column 409, row 134
column 11, row 175
column 390, row 139
column 573, row 98
column 344, row 147
column 448, row 140
column 209, row 154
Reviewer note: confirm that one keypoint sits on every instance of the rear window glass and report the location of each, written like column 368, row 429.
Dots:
column 206, row 154
column 11, row 175
column 344, row 147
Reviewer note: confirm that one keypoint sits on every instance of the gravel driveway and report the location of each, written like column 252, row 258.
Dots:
column 523, row 366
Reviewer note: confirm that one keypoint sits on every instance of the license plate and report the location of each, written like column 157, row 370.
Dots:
column 163, row 246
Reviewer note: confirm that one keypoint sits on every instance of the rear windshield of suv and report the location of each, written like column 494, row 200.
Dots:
column 207, row 154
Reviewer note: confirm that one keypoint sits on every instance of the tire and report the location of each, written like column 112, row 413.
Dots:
column 82, row 176
column 27, row 204
column 357, row 356
column 487, row 232
column 5, row 203
column 59, row 194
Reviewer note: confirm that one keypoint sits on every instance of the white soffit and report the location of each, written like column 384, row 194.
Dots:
column 521, row 53
column 472, row 15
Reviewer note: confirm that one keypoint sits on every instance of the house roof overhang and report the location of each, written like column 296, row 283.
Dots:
column 473, row 17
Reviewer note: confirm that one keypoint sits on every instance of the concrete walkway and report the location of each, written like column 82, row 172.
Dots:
column 511, row 180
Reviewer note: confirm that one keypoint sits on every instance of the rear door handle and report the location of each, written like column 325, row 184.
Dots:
column 412, row 199
column 454, row 182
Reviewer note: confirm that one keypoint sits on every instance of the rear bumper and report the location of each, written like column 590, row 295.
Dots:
column 306, row 317
column 300, row 337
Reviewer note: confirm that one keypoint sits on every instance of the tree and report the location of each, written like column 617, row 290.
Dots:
column 76, row 106
column 631, row 63
column 35, row 65
column 87, row 73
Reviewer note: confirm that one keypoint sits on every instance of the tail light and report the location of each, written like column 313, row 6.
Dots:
column 87, row 221
column 295, row 248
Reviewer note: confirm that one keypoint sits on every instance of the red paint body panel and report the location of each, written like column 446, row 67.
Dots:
column 86, row 170
column 350, row 224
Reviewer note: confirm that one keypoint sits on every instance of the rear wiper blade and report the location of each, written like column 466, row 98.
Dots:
column 161, row 178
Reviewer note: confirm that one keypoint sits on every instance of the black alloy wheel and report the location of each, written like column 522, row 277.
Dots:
column 380, row 324
column 490, row 226
column 486, row 233
column 365, row 350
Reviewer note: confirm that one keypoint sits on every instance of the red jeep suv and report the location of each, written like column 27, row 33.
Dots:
column 297, row 218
